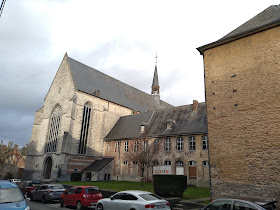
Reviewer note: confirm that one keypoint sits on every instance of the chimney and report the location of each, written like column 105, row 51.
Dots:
column 142, row 128
column 195, row 105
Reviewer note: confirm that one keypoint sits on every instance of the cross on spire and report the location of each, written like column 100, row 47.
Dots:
column 156, row 57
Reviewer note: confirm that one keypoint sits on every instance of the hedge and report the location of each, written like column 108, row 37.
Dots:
column 170, row 185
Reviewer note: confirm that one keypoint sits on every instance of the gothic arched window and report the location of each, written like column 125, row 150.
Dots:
column 84, row 129
column 54, row 129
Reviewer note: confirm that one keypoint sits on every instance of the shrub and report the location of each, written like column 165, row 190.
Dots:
column 8, row 176
column 170, row 185
column 76, row 177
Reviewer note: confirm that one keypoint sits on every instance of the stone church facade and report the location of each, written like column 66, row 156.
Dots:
column 242, row 81
column 83, row 112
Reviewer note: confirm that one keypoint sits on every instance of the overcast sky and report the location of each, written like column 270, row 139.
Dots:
column 119, row 38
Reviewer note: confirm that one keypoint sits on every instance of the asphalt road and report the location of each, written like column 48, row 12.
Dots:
column 36, row 205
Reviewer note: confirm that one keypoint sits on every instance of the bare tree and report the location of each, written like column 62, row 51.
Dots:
column 23, row 152
column 5, row 154
column 143, row 154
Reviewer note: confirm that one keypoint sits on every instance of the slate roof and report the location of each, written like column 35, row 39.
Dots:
column 98, row 165
column 187, row 122
column 268, row 18
column 129, row 127
column 88, row 80
column 155, row 80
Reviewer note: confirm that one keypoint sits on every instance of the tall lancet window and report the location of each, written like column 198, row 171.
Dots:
column 53, row 132
column 84, row 129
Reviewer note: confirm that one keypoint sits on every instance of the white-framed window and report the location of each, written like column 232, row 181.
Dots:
column 167, row 144
column 204, row 142
column 155, row 163
column 192, row 143
column 179, row 164
column 180, row 143
column 167, row 163
column 134, row 162
column 135, row 146
column 55, row 121
column 192, row 163
column 117, row 147
column 126, row 146
column 125, row 162
column 84, row 129
column 205, row 163
column 156, row 145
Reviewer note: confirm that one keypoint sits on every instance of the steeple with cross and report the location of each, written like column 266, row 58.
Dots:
column 155, row 85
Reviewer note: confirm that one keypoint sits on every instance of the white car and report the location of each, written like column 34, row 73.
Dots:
column 133, row 200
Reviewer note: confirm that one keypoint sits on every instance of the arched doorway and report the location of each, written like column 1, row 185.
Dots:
column 48, row 168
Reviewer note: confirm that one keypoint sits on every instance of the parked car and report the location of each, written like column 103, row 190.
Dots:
column 15, row 180
column 81, row 196
column 11, row 197
column 28, row 186
column 133, row 199
column 47, row 192
column 235, row 204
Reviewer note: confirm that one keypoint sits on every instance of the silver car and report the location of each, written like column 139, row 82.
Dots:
column 133, row 200
column 236, row 204
column 47, row 192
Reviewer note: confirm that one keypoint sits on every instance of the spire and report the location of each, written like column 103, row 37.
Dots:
column 155, row 85
column 155, row 80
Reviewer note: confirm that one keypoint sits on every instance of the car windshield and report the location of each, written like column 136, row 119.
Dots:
column 150, row 197
column 91, row 190
column 10, row 195
column 56, row 187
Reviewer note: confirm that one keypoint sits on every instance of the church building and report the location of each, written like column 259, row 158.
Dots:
column 82, row 118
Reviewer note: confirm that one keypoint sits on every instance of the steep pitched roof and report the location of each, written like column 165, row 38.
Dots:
column 89, row 80
column 98, row 165
column 128, row 127
column 267, row 19
column 187, row 122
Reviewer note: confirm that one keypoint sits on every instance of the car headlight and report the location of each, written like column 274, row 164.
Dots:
column 27, row 208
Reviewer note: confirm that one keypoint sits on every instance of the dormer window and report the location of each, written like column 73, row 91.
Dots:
column 170, row 123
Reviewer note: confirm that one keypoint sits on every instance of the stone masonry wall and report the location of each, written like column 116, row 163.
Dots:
column 243, row 102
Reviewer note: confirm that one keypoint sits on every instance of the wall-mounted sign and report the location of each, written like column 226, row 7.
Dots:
column 165, row 170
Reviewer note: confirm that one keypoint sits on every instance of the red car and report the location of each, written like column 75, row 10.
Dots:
column 81, row 196
column 28, row 186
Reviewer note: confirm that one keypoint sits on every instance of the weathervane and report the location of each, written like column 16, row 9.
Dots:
column 156, row 57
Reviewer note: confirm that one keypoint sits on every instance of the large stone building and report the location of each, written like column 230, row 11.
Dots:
column 242, row 81
column 71, row 131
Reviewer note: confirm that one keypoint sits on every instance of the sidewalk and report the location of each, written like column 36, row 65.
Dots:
column 190, row 204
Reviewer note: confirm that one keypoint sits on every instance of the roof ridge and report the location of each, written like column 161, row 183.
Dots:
column 115, row 79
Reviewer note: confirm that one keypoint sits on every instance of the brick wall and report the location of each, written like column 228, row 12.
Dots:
column 132, row 172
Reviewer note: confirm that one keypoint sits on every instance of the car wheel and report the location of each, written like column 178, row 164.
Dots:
column 100, row 207
column 31, row 197
column 61, row 203
column 44, row 200
column 79, row 205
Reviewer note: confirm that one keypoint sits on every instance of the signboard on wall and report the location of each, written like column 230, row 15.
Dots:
column 163, row 170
